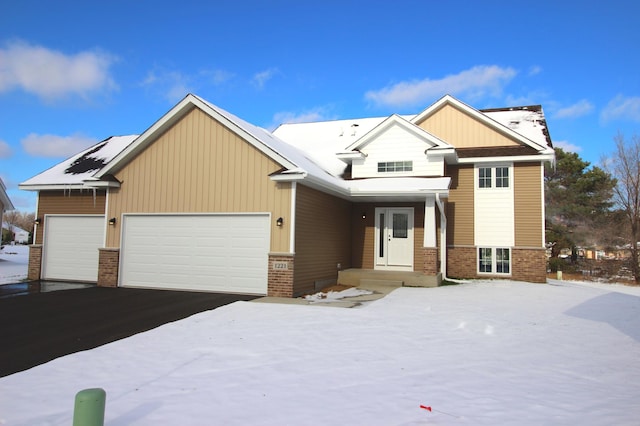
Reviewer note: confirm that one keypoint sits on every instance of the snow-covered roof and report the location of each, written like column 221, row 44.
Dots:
column 529, row 121
column 75, row 171
column 4, row 198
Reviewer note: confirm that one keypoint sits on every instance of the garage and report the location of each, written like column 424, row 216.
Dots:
column 71, row 243
column 198, row 252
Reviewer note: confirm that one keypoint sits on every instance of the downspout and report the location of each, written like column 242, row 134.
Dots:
column 443, row 237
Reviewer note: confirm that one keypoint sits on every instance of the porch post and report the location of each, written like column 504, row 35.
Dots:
column 430, row 222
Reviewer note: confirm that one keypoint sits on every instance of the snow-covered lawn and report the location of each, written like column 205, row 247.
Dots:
column 487, row 353
column 14, row 262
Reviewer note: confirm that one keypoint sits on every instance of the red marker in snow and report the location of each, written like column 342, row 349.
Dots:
column 429, row 409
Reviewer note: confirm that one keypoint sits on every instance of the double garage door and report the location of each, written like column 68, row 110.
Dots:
column 220, row 252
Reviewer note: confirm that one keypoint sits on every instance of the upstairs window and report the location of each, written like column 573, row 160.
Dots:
column 493, row 177
column 395, row 166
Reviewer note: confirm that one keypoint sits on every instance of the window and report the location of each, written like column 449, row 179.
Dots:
column 484, row 177
column 502, row 177
column 492, row 260
column 395, row 166
column 488, row 179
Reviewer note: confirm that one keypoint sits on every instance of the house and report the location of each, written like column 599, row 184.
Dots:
column 5, row 202
column 20, row 236
column 204, row 201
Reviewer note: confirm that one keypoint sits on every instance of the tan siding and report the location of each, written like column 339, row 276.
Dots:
column 65, row 202
column 528, row 204
column 323, row 237
column 463, row 131
column 459, row 206
column 200, row 166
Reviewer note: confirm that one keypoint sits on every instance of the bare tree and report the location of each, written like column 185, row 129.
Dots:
column 624, row 165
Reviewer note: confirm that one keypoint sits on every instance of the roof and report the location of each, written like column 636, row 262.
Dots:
column 80, row 168
column 306, row 151
column 4, row 198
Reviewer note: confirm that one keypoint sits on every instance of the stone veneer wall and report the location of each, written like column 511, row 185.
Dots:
column 35, row 262
column 280, row 279
column 108, row 263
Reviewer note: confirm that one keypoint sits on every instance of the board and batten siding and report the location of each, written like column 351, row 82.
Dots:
column 460, row 206
column 493, row 215
column 68, row 202
column 200, row 166
column 529, row 220
column 463, row 131
column 397, row 144
column 323, row 238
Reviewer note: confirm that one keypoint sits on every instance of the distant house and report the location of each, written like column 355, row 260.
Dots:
column 20, row 236
column 203, row 200
column 5, row 202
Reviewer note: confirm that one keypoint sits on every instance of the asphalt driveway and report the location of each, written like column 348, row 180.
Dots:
column 39, row 327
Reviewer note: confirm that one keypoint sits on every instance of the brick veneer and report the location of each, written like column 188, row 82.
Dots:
column 527, row 264
column 280, row 281
column 108, row 262
column 35, row 262
column 429, row 260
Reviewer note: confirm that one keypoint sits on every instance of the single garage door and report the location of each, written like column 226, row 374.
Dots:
column 71, row 246
column 219, row 252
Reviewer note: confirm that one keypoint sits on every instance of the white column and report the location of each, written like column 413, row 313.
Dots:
column 430, row 222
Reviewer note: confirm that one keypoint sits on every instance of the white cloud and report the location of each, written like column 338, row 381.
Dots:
column 50, row 74
column 261, row 78
column 622, row 108
column 173, row 85
column 219, row 77
column 55, row 146
column 5, row 149
column 567, row 146
column 473, row 83
column 535, row 70
column 579, row 109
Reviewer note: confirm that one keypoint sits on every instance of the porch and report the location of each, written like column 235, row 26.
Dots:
column 367, row 277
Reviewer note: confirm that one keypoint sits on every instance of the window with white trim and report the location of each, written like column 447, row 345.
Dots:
column 395, row 166
column 494, row 260
column 493, row 177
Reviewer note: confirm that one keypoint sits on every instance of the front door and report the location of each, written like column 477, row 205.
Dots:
column 394, row 239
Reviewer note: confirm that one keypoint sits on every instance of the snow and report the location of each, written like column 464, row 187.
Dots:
column 332, row 296
column 483, row 353
column 14, row 262
column 57, row 174
column 530, row 124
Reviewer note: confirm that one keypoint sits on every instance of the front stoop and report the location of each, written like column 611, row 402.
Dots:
column 369, row 277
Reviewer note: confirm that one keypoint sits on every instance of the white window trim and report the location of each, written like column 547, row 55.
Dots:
column 493, row 261
column 493, row 167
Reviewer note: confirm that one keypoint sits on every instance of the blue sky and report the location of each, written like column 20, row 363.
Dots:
column 75, row 72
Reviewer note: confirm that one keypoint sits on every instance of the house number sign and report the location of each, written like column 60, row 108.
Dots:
column 280, row 265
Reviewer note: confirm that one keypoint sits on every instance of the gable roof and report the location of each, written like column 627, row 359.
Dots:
column 404, row 124
column 491, row 118
column 80, row 168
column 4, row 198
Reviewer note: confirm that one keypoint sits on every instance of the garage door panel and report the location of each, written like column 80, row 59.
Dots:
column 71, row 246
column 196, row 252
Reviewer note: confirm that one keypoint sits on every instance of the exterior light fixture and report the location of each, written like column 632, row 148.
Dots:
column 364, row 215
column 112, row 221
column 38, row 221
column 280, row 221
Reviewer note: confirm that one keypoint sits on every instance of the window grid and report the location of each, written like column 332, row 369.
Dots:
column 484, row 177
column 490, row 260
column 502, row 177
column 395, row 166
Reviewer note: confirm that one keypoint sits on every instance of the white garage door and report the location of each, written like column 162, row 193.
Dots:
column 71, row 247
column 221, row 253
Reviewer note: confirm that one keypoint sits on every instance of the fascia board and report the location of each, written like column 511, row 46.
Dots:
column 519, row 158
column 47, row 187
column 448, row 99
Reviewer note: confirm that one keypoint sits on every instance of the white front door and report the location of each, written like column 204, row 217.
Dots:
column 394, row 239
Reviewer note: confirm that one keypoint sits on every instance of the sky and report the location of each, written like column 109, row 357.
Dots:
column 73, row 73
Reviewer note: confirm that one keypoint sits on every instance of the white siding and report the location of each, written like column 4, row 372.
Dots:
column 494, row 214
column 397, row 144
